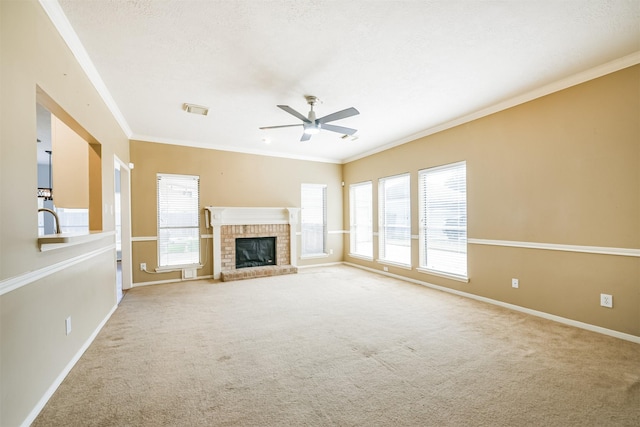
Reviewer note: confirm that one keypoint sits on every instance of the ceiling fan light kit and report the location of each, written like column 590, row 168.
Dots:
column 311, row 125
column 310, row 129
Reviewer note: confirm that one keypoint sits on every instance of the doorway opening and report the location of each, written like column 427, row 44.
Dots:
column 122, row 217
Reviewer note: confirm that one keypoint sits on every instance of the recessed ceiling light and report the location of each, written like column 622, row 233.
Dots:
column 195, row 109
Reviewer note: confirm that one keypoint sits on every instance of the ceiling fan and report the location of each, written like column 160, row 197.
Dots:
column 311, row 125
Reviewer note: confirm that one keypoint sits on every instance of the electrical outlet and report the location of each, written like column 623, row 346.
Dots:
column 67, row 324
column 143, row 266
column 330, row 251
column 515, row 283
column 385, row 268
column 606, row 300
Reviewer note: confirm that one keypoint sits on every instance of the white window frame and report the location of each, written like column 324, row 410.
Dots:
column 189, row 223
column 361, row 220
column 398, row 253
column 313, row 217
column 443, row 221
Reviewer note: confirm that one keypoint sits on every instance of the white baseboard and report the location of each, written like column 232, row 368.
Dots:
column 56, row 383
column 542, row 314
column 164, row 282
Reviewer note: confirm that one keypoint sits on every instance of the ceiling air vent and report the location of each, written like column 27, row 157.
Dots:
column 195, row 109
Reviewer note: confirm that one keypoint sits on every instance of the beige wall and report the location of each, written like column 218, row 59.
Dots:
column 34, row 348
column 70, row 166
column 226, row 179
column 562, row 169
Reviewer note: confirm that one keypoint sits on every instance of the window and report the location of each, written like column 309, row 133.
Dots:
column 443, row 219
column 394, row 217
column 313, row 218
column 361, row 218
column 74, row 220
column 178, row 220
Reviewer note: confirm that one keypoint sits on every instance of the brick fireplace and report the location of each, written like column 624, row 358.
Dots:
column 231, row 223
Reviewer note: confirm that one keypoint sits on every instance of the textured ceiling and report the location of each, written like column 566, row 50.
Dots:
column 407, row 66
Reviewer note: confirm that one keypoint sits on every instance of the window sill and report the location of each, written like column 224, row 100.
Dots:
column 363, row 257
column 64, row 240
column 314, row 256
column 463, row 279
column 170, row 268
column 394, row 264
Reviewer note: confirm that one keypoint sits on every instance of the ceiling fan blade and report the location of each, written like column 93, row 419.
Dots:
column 281, row 126
column 339, row 129
column 305, row 137
column 339, row 115
column 293, row 113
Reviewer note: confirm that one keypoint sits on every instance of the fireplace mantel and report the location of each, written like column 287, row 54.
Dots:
column 219, row 216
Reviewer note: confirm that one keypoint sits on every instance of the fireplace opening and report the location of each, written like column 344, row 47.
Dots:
column 255, row 251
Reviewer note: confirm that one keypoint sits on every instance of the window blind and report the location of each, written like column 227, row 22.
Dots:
column 394, row 219
column 178, row 220
column 361, row 219
column 443, row 218
column 313, row 219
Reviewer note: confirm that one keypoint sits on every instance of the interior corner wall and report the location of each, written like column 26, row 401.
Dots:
column 226, row 179
column 563, row 169
column 39, row 290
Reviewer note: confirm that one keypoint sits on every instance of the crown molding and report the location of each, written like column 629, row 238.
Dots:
column 59, row 19
column 576, row 79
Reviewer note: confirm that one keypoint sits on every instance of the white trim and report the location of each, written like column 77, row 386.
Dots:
column 328, row 264
column 251, row 216
column 154, row 238
column 126, row 249
column 16, row 282
column 144, row 239
column 362, row 257
column 394, row 264
column 161, row 175
column 164, row 282
column 50, row 242
column 299, row 233
column 576, row 79
column 313, row 256
column 59, row 19
column 462, row 279
column 602, row 250
column 179, row 267
column 56, row 383
column 542, row 314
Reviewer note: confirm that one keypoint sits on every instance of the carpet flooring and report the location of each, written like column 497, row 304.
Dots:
column 339, row 346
